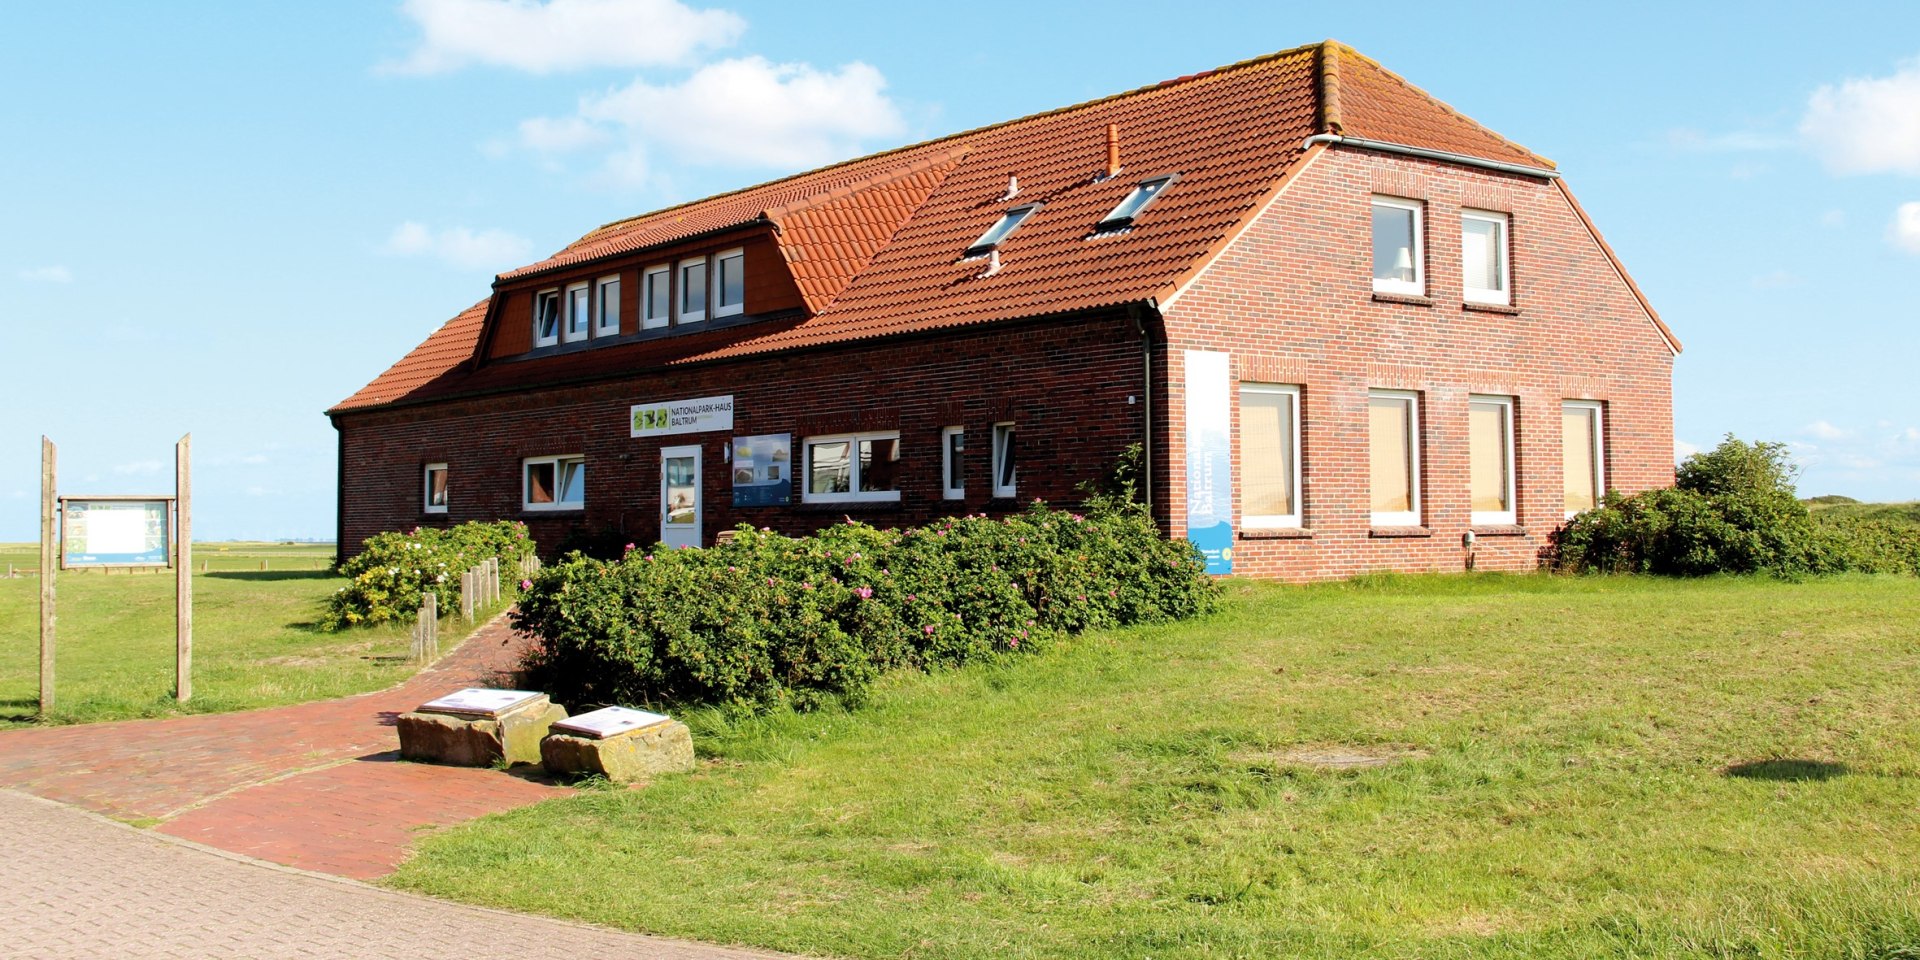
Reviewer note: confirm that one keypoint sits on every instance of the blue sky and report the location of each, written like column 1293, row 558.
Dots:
column 223, row 218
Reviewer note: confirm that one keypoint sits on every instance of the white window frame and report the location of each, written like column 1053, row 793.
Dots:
column 1503, row 232
column 1152, row 187
column 426, row 489
column 948, row 490
column 680, row 312
column 1291, row 520
column 1599, row 448
column 1012, row 220
column 1418, row 286
column 1003, row 439
column 663, row 275
column 1495, row 518
column 556, row 459
column 714, row 307
column 1410, row 517
column 559, row 316
column 568, row 313
column 601, row 326
column 854, row 494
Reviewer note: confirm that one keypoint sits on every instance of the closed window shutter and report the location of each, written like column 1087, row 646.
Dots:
column 1266, row 454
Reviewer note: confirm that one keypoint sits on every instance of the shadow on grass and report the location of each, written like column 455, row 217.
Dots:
column 263, row 576
column 1786, row 769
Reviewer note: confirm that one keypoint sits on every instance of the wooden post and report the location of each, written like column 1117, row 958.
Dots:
column 183, row 570
column 47, row 560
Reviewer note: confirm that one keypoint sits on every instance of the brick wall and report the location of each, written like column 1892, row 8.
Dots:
column 1291, row 299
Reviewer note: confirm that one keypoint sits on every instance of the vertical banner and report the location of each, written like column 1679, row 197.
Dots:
column 1210, row 458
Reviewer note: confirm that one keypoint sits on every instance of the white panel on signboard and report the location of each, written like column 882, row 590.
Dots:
column 479, row 700
column 609, row 721
column 117, row 528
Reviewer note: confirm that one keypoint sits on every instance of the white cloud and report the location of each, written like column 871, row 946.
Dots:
column 1833, row 218
column 460, row 247
column 562, row 35
column 1736, row 142
column 1905, row 229
column 48, row 274
column 745, row 112
column 1867, row 124
column 1823, row 430
column 1682, row 449
column 139, row 467
column 1777, row 280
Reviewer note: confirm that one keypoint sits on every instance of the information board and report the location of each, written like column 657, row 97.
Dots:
column 1210, row 457
column 665, row 417
column 609, row 721
column 116, row 533
column 479, row 700
column 763, row 470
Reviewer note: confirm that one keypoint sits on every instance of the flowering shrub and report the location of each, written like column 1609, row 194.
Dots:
column 767, row 619
column 393, row 572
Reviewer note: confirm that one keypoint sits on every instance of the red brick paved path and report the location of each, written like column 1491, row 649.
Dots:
column 313, row 785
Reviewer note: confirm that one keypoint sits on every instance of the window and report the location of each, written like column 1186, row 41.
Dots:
column 999, row 231
column 852, row 467
column 606, row 307
column 546, row 318
column 1582, row 454
column 579, row 314
column 1393, row 436
column 435, row 500
column 1269, row 455
column 1490, row 459
column 1003, row 466
column 693, row 291
column 953, row 474
column 729, row 284
column 1142, row 195
column 1483, row 257
column 1398, row 256
column 554, row 483
column 657, row 298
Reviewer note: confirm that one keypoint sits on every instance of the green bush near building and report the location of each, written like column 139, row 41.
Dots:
column 393, row 572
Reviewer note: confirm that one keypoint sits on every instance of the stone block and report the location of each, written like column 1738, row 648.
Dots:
column 476, row 740
column 642, row 754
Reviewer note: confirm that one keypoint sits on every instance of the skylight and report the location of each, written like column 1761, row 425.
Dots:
column 999, row 231
column 1144, row 194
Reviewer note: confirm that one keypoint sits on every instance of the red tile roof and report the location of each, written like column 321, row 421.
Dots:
column 875, row 243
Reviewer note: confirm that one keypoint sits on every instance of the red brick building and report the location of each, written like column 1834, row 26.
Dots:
column 1353, row 329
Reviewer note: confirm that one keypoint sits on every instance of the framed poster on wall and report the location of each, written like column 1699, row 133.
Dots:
column 763, row 470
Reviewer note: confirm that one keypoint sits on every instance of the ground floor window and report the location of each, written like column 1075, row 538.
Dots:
column 852, row 467
column 1003, row 466
column 1582, row 454
column 1393, row 435
column 1490, row 455
column 435, row 500
column 554, row 483
column 1269, row 455
column 953, row 448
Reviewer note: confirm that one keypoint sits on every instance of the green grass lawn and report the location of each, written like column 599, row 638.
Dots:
column 1597, row 767
column 254, row 642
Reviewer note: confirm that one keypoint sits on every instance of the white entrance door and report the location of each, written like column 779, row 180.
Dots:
column 680, row 496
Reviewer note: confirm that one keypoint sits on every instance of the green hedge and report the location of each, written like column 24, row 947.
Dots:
column 766, row 619
column 394, row 572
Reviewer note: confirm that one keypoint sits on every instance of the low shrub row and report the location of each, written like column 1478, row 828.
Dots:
column 1731, row 510
column 393, row 573
column 767, row 619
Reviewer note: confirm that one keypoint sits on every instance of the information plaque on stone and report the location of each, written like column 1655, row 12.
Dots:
column 608, row 721
column 479, row 700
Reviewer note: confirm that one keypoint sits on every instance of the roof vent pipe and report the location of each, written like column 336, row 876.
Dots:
column 1013, row 188
column 993, row 266
column 1113, row 151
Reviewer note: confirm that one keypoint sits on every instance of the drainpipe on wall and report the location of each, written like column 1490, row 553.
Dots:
column 1141, row 327
column 339, row 492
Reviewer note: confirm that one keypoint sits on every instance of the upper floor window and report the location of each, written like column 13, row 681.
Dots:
column 656, row 298
column 729, row 283
column 1490, row 459
column 1483, row 257
column 859, row 466
column 1398, row 250
column 546, row 318
column 693, row 291
column 435, row 495
column 606, row 307
column 579, row 314
column 1393, row 441
column 1142, row 195
column 999, row 231
column 1269, row 455
column 554, row 483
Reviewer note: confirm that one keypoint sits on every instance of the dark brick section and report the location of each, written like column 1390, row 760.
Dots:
column 1065, row 382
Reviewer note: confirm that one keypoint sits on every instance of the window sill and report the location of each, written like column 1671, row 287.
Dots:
column 1398, row 533
column 1404, row 298
column 1508, row 309
column 1276, row 533
column 849, row 506
column 547, row 511
column 1498, row 530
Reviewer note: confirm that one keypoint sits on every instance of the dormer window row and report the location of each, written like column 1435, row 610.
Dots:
column 693, row 290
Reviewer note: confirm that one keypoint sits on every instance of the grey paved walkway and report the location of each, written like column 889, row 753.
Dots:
column 78, row 885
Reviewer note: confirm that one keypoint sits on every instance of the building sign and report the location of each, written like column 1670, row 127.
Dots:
column 682, row 416
column 119, row 533
column 1210, row 458
column 763, row 470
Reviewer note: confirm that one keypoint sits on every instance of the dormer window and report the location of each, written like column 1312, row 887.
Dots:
column 999, row 231
column 546, row 318
column 579, row 313
column 693, row 291
column 1142, row 195
column 729, row 283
